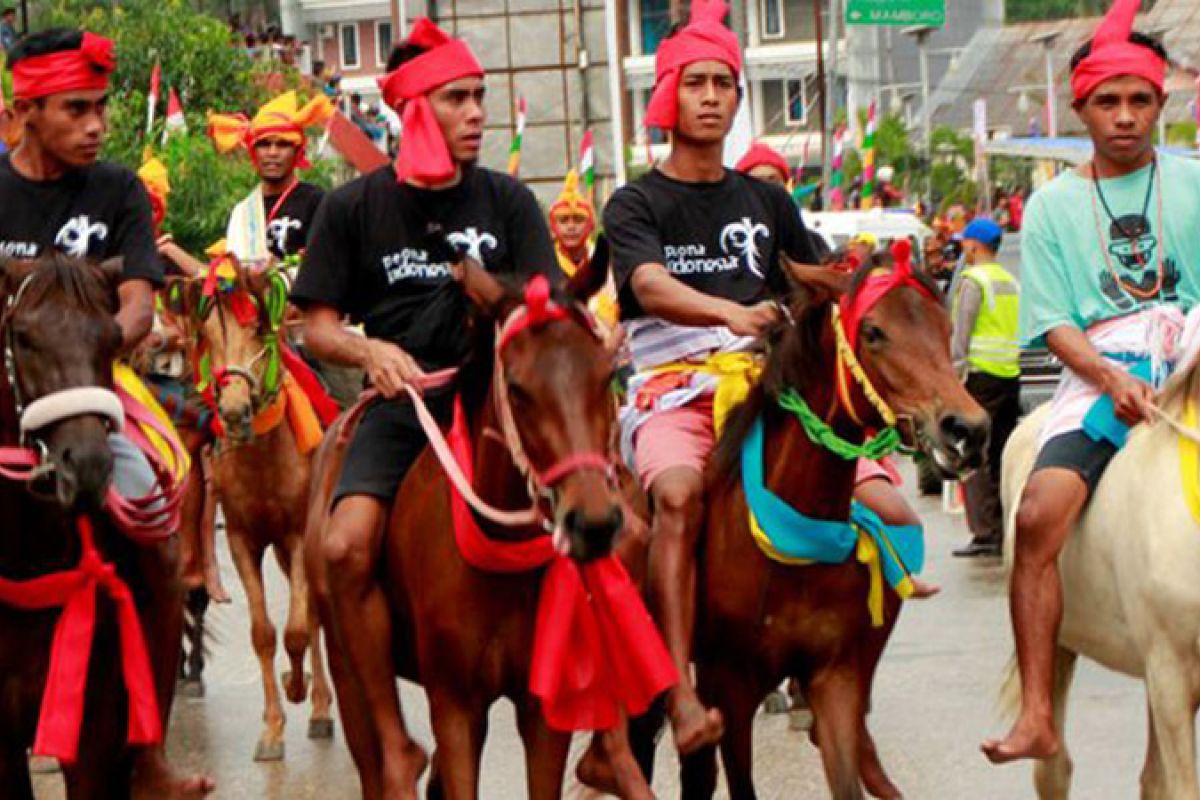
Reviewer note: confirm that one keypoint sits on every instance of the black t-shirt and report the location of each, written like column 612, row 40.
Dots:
column 723, row 238
column 98, row 212
column 287, row 231
column 368, row 255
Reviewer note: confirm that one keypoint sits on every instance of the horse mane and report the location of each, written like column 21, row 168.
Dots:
column 1181, row 388
column 78, row 280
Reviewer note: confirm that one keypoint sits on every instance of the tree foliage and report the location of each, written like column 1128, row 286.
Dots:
column 1032, row 10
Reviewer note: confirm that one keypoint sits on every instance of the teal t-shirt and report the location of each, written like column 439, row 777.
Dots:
column 1071, row 248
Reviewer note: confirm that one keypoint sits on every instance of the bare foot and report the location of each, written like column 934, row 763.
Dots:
column 1029, row 738
column 695, row 726
column 922, row 590
column 595, row 771
column 403, row 772
column 214, row 587
column 610, row 769
column 155, row 779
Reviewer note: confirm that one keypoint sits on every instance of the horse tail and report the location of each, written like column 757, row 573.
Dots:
column 1008, row 699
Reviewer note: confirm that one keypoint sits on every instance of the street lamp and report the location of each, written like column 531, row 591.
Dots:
column 1047, row 40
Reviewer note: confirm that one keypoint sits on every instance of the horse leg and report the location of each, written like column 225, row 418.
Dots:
column 1052, row 776
column 193, row 664
column 208, row 532
column 1172, row 717
column 737, row 693
column 320, row 724
column 459, row 727
column 15, row 783
column 262, row 634
column 838, row 713
column 545, row 752
column 871, row 770
column 296, row 631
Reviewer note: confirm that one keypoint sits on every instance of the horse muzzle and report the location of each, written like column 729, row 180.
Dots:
column 957, row 443
column 83, row 465
column 589, row 535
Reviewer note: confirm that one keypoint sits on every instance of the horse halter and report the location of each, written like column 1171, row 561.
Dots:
column 56, row 406
column 539, row 310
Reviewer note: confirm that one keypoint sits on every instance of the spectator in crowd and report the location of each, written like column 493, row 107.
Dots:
column 986, row 349
column 8, row 29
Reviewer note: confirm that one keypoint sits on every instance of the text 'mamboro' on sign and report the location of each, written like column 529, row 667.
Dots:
column 896, row 12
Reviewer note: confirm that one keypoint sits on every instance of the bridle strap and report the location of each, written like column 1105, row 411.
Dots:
column 76, row 402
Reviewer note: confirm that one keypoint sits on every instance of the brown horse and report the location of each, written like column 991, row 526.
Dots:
column 466, row 634
column 59, row 335
column 760, row 621
column 261, row 479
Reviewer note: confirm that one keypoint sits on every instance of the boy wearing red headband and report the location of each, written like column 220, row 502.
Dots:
column 371, row 256
column 1109, row 264
column 765, row 163
column 57, row 195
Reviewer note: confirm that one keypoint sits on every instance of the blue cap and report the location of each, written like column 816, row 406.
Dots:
column 984, row 231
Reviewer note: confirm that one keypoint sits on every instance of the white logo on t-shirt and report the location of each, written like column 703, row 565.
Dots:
column 277, row 231
column 474, row 242
column 75, row 238
column 741, row 239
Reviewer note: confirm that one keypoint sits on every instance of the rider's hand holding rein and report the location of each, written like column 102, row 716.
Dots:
column 1132, row 398
column 390, row 368
column 387, row 366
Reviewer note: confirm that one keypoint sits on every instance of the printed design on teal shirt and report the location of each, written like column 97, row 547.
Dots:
column 1133, row 246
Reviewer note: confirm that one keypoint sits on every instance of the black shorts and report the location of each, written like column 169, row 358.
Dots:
column 1079, row 453
column 387, row 443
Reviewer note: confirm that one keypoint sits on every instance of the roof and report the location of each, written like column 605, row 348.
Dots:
column 1072, row 151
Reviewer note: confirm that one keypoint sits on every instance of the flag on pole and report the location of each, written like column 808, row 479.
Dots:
column 514, row 152
column 868, row 190
column 837, row 200
column 176, row 122
column 587, row 163
column 152, row 97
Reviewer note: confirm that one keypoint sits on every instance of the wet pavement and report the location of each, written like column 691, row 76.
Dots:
column 934, row 701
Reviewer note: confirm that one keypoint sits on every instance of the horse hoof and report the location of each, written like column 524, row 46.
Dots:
column 320, row 729
column 44, row 765
column 192, row 688
column 296, row 692
column 269, row 751
column 800, row 719
column 776, row 703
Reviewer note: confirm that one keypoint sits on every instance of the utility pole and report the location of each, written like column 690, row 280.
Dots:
column 825, row 169
column 921, row 34
column 835, row 13
column 1047, row 41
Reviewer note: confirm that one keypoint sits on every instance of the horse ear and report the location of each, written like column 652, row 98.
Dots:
column 590, row 278
column 819, row 284
column 12, row 272
column 484, row 290
column 112, row 270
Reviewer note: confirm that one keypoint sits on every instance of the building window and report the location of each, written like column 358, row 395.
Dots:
column 655, row 23
column 383, row 42
column 795, row 102
column 348, row 38
column 772, row 19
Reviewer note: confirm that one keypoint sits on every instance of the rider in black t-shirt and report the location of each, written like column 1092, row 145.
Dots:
column 56, row 195
column 369, row 257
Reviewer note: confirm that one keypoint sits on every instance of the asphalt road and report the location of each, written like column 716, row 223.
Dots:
column 934, row 701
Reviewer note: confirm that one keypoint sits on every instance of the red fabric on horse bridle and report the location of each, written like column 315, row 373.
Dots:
column 876, row 286
column 61, row 716
column 595, row 649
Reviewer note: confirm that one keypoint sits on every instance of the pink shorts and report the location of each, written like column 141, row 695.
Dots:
column 683, row 437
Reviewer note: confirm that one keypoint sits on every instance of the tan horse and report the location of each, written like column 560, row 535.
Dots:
column 261, row 480
column 1131, row 591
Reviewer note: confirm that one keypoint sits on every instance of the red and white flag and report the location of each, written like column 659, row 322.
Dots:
column 587, row 162
column 176, row 121
column 152, row 97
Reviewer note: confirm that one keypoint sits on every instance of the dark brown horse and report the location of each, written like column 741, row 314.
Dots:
column 261, row 478
column 465, row 634
column 760, row 621
column 58, row 334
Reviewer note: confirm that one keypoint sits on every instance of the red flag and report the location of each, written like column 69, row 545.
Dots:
column 175, row 118
column 152, row 97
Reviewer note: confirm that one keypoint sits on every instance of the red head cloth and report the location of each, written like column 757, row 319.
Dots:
column 1113, row 55
column 85, row 69
column 423, row 151
column 704, row 39
column 761, row 155
column 856, row 306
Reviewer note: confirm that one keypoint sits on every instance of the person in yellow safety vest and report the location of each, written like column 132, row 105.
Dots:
column 986, row 349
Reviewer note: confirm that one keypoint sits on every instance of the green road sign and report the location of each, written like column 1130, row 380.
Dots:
column 896, row 12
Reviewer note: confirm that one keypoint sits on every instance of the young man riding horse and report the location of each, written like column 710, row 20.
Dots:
column 56, row 195
column 274, row 221
column 1108, row 270
column 697, row 258
column 371, row 256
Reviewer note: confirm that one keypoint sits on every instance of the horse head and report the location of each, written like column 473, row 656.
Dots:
column 234, row 317
column 898, row 329
column 553, row 380
column 59, row 339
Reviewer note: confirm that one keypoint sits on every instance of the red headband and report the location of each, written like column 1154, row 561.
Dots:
column 423, row 151
column 761, row 155
column 879, row 283
column 539, row 310
column 85, row 69
column 704, row 39
column 1113, row 55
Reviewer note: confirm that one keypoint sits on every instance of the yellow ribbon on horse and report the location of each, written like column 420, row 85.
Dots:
column 129, row 383
column 293, row 404
column 1189, row 463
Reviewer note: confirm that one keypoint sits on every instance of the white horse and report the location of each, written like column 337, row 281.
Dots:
column 1131, row 586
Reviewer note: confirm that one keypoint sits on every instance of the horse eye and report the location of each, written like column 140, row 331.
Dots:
column 22, row 339
column 873, row 334
column 516, row 393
